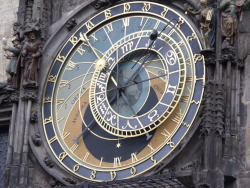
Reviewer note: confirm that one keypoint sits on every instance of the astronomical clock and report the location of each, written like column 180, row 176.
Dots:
column 123, row 91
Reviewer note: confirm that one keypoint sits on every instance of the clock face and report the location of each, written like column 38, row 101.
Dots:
column 123, row 91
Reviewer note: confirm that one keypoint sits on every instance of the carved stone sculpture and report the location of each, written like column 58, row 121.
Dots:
column 12, row 68
column 229, row 19
column 71, row 24
column 30, row 61
column 207, row 21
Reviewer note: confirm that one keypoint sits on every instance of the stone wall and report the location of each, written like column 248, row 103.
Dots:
column 8, row 14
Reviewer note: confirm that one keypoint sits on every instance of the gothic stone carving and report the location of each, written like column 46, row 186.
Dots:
column 48, row 162
column 71, row 24
column 31, row 60
column 36, row 139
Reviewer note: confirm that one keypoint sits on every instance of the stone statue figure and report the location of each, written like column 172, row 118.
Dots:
column 30, row 61
column 12, row 68
column 229, row 19
column 207, row 21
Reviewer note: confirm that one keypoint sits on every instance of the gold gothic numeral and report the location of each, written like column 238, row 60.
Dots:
column 126, row 7
column 192, row 37
column 47, row 120
column 163, row 14
column 146, row 7
column 197, row 57
column 47, row 100
column 112, row 175
column 187, row 125
column 52, row 78
column 93, row 174
column 133, row 170
column 62, row 155
column 107, row 14
column 65, row 135
column 73, row 40
column 60, row 58
column 179, row 23
column 89, row 25
column 152, row 159
column 196, row 102
column 76, row 167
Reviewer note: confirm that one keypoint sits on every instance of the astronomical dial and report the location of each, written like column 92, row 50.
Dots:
column 123, row 91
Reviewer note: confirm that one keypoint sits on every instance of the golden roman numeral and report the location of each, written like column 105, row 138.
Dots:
column 134, row 157
column 74, row 147
column 110, row 27
column 184, row 98
column 85, row 157
column 117, row 161
column 59, row 101
column 151, row 148
column 52, row 139
column 80, row 50
column 177, row 118
column 166, row 133
column 70, row 66
column 126, row 22
column 65, row 135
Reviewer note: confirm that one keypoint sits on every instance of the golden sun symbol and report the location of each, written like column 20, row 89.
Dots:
column 100, row 64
